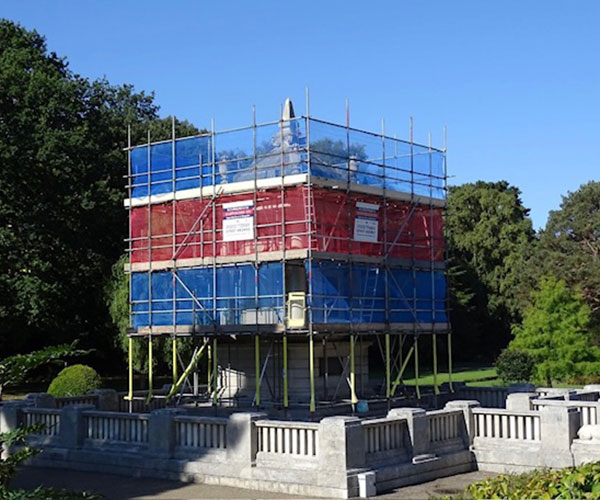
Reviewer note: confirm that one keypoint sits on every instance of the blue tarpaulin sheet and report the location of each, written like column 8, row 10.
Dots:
column 276, row 149
column 344, row 293
column 341, row 293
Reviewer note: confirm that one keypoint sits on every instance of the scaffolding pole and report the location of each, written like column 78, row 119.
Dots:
column 257, row 370
column 186, row 373
column 388, row 378
column 402, row 368
column 311, row 369
column 436, row 389
column 450, row 362
column 215, row 374
column 353, row 397
column 417, row 388
column 130, row 373
column 285, row 372
column 150, row 362
column 208, row 368
column 174, row 359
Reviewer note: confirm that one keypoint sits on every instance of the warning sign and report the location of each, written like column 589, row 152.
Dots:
column 366, row 222
column 238, row 220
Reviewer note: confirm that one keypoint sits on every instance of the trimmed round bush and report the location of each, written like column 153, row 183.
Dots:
column 74, row 381
column 514, row 365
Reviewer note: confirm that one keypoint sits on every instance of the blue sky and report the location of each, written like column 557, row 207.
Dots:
column 516, row 82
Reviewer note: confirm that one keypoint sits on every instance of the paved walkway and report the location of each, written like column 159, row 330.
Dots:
column 115, row 487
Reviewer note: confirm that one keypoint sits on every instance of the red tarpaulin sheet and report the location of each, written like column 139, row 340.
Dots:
column 342, row 223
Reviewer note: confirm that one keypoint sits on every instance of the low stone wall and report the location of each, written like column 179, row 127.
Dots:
column 339, row 457
column 335, row 457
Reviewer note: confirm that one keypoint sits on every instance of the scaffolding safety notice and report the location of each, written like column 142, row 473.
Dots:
column 366, row 222
column 238, row 220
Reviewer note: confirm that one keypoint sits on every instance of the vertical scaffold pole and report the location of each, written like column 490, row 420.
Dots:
column 417, row 388
column 353, row 397
column 435, row 366
column 150, row 362
column 208, row 368
column 174, row 349
column 311, row 369
column 285, row 372
column 215, row 374
column 257, row 370
column 388, row 374
column 130, row 390
column 450, row 362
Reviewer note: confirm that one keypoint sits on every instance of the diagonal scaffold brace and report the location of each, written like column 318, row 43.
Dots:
column 186, row 373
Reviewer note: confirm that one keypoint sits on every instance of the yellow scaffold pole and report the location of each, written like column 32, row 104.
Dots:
column 353, row 397
column 208, row 367
column 285, row 372
column 215, row 373
column 311, row 369
column 388, row 373
column 257, row 370
column 402, row 368
column 130, row 391
column 174, row 349
column 417, row 388
column 186, row 373
column 150, row 363
column 435, row 366
column 450, row 362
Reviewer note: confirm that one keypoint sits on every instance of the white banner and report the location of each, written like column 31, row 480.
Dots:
column 238, row 220
column 366, row 222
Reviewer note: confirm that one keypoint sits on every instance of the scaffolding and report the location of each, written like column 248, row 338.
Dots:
column 294, row 234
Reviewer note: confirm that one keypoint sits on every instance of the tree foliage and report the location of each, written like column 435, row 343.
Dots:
column 10, row 461
column 489, row 235
column 555, row 332
column 14, row 369
column 569, row 245
column 62, row 222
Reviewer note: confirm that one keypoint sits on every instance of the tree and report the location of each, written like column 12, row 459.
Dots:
column 489, row 236
column 555, row 332
column 569, row 245
column 62, row 221
column 14, row 369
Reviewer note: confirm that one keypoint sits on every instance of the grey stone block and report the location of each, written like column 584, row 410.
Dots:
column 72, row 429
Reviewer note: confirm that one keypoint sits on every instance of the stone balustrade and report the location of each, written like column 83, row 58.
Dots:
column 505, row 424
column 327, row 458
column 444, row 425
column 384, row 434
column 200, row 432
column 116, row 427
column 290, row 438
column 48, row 417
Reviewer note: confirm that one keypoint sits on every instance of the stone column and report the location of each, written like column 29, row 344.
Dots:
column 520, row 401
column 41, row 400
column 418, row 428
column 242, row 437
column 467, row 405
column 341, row 443
column 558, row 428
column 11, row 418
column 108, row 399
column 161, row 432
column 10, row 414
column 72, row 429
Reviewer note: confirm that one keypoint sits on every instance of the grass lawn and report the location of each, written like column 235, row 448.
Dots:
column 483, row 376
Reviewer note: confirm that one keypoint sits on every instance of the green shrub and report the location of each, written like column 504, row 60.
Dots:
column 74, row 380
column 571, row 482
column 514, row 365
column 41, row 493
